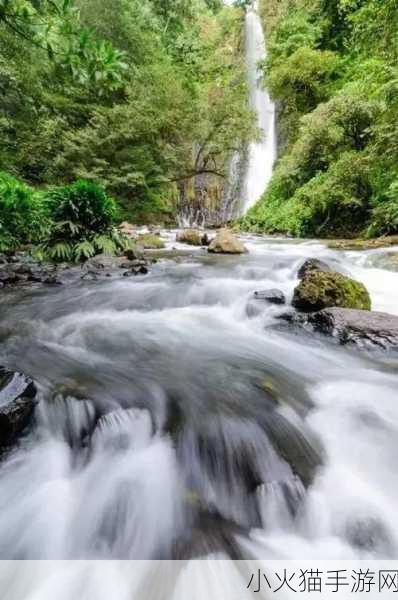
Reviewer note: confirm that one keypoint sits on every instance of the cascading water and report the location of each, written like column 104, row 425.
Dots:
column 262, row 153
column 172, row 423
column 248, row 176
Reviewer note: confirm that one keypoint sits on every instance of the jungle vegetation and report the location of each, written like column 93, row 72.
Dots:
column 116, row 99
column 332, row 70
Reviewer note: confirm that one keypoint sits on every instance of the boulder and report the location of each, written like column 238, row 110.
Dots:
column 150, row 242
column 103, row 262
column 311, row 265
column 127, row 228
column 134, row 253
column 362, row 328
column 7, row 276
column 320, row 289
column 17, row 401
column 226, row 243
column 359, row 244
column 258, row 303
column 193, row 237
column 272, row 296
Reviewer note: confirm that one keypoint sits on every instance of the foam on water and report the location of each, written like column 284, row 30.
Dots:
column 173, row 425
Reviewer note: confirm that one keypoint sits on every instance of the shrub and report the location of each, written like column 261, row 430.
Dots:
column 332, row 202
column 385, row 213
column 295, row 31
column 23, row 219
column 300, row 83
column 83, row 222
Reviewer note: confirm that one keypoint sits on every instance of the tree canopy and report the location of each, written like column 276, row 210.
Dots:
column 332, row 69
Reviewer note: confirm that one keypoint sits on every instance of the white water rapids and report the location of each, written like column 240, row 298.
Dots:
column 172, row 425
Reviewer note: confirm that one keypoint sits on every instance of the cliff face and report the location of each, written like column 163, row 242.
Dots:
column 212, row 200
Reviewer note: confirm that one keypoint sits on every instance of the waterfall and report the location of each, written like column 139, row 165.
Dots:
column 249, row 171
column 262, row 153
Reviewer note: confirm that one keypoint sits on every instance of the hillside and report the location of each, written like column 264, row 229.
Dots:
column 332, row 70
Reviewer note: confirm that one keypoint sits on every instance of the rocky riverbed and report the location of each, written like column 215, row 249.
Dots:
column 173, row 413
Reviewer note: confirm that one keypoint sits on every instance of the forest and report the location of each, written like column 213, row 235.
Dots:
column 332, row 70
column 108, row 107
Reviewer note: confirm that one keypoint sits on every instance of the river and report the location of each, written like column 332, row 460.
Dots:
column 172, row 425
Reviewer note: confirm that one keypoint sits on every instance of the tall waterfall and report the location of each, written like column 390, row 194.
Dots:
column 262, row 154
column 214, row 203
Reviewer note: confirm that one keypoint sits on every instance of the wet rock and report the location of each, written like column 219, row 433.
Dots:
column 193, row 237
column 17, row 394
column 134, row 264
column 142, row 270
column 257, row 305
column 89, row 276
column 209, row 533
column 363, row 329
column 226, row 243
column 127, row 264
column 51, row 280
column 103, row 262
column 135, row 253
column 127, row 229
column 359, row 244
column 311, row 265
column 273, row 296
column 37, row 275
column 320, row 289
column 7, row 276
column 20, row 268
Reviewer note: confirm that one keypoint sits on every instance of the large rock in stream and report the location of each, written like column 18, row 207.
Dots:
column 193, row 237
column 322, row 289
column 226, row 242
column 17, row 402
column 312, row 265
column 361, row 328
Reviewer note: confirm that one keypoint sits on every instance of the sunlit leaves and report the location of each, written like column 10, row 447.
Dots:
column 54, row 26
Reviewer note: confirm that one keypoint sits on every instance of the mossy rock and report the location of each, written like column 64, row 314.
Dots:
column 359, row 244
column 193, row 237
column 321, row 289
column 150, row 242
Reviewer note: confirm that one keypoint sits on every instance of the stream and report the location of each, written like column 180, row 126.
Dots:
column 173, row 425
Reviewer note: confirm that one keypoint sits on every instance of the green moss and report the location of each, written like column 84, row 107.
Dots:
column 321, row 290
column 359, row 244
column 151, row 242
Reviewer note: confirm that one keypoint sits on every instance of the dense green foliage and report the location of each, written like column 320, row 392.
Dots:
column 332, row 69
column 72, row 222
column 82, row 222
column 134, row 95
column 23, row 217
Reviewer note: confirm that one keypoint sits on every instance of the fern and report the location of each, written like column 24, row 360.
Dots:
column 61, row 251
column 83, row 250
column 105, row 244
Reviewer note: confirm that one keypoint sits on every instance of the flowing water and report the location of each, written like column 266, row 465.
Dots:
column 262, row 153
column 172, row 425
column 249, row 176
